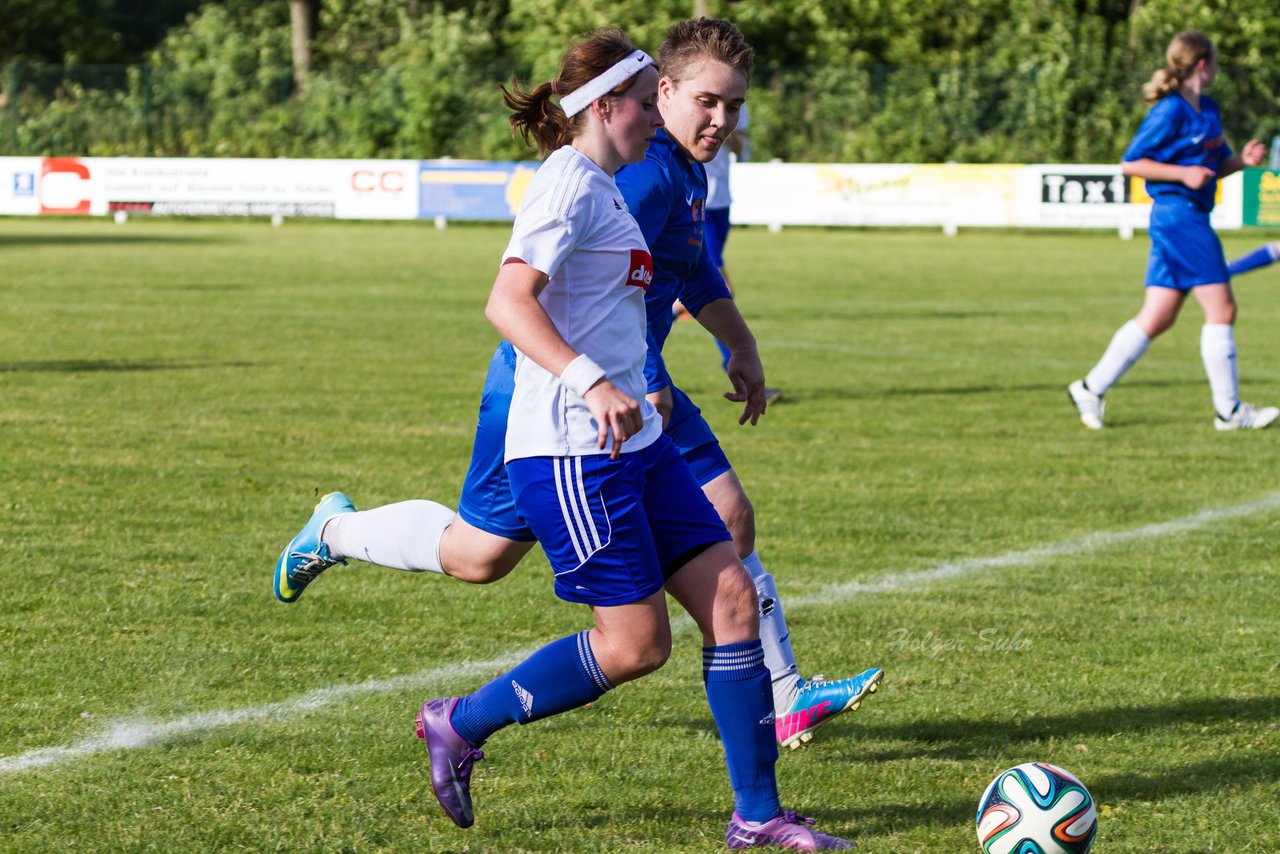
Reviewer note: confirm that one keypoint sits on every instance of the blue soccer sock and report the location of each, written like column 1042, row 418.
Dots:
column 724, row 355
column 1263, row 256
column 742, row 704
column 563, row 675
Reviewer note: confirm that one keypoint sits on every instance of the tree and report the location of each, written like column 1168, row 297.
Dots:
column 302, row 26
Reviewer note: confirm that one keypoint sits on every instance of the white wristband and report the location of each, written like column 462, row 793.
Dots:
column 581, row 374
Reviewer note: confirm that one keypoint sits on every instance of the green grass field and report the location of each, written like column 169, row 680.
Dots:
column 175, row 395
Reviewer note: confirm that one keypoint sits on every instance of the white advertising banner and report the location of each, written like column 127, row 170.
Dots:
column 345, row 189
column 1098, row 196
column 873, row 194
column 953, row 195
column 20, row 185
column 774, row 194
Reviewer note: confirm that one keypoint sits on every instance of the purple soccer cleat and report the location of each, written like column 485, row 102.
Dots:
column 789, row 831
column 451, row 759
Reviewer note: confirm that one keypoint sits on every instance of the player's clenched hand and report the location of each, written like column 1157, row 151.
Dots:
column 747, row 375
column 615, row 413
column 1196, row 177
column 1253, row 153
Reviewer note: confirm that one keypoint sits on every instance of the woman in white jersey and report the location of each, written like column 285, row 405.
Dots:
column 615, row 507
column 706, row 67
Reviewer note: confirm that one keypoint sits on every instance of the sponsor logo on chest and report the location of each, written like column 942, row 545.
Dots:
column 641, row 273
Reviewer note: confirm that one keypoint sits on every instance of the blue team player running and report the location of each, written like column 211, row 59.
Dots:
column 1181, row 153
column 705, row 67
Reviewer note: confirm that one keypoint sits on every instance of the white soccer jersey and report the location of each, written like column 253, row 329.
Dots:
column 574, row 226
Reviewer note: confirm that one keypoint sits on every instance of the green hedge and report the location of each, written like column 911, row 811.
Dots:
column 984, row 81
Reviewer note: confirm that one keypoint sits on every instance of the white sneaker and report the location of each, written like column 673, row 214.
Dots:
column 1247, row 417
column 1090, row 405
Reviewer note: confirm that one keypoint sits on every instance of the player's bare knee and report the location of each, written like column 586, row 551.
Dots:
column 475, row 572
column 632, row 662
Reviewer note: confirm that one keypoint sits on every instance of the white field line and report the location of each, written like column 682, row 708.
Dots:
column 133, row 735
column 1078, row 545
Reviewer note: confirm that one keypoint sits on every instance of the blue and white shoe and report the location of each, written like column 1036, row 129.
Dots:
column 306, row 557
column 818, row 701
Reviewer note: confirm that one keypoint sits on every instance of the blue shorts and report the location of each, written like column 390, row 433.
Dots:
column 1185, row 250
column 487, row 502
column 615, row 530
column 694, row 440
column 715, row 233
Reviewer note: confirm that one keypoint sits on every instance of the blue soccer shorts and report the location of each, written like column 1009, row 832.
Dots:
column 1185, row 250
column 487, row 502
column 694, row 439
column 615, row 530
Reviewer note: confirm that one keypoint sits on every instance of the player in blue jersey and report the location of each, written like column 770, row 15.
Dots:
column 1264, row 256
column 1181, row 153
column 667, row 194
column 705, row 68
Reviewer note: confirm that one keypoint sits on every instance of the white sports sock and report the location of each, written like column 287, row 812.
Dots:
column 1218, row 350
column 774, row 637
column 1126, row 347
column 402, row 536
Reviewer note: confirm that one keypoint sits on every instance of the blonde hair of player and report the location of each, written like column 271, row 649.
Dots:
column 1181, row 58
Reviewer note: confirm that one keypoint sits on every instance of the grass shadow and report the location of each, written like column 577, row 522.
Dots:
column 873, row 316
column 30, row 240
column 829, row 393
column 91, row 366
column 967, row 738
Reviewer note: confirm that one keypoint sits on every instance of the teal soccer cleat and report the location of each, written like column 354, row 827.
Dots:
column 306, row 557
column 818, row 701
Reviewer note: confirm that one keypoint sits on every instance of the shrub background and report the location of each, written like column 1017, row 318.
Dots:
column 855, row 80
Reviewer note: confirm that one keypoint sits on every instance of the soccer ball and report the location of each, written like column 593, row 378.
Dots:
column 1036, row 808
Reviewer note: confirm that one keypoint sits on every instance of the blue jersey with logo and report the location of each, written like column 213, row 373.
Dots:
column 1175, row 132
column 667, row 194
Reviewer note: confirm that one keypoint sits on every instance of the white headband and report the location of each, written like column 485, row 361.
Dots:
column 597, row 87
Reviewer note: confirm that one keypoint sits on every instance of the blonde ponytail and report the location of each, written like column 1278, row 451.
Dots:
column 1183, row 54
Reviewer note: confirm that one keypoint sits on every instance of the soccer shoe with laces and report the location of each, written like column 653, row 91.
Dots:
column 788, row 831
column 451, row 758
column 818, row 701
column 1089, row 405
column 1247, row 417
column 306, row 557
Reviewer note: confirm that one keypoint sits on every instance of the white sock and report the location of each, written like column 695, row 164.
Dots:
column 1126, row 347
column 402, row 536
column 774, row 637
column 1218, row 350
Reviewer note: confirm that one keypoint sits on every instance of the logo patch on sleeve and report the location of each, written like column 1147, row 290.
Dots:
column 641, row 274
